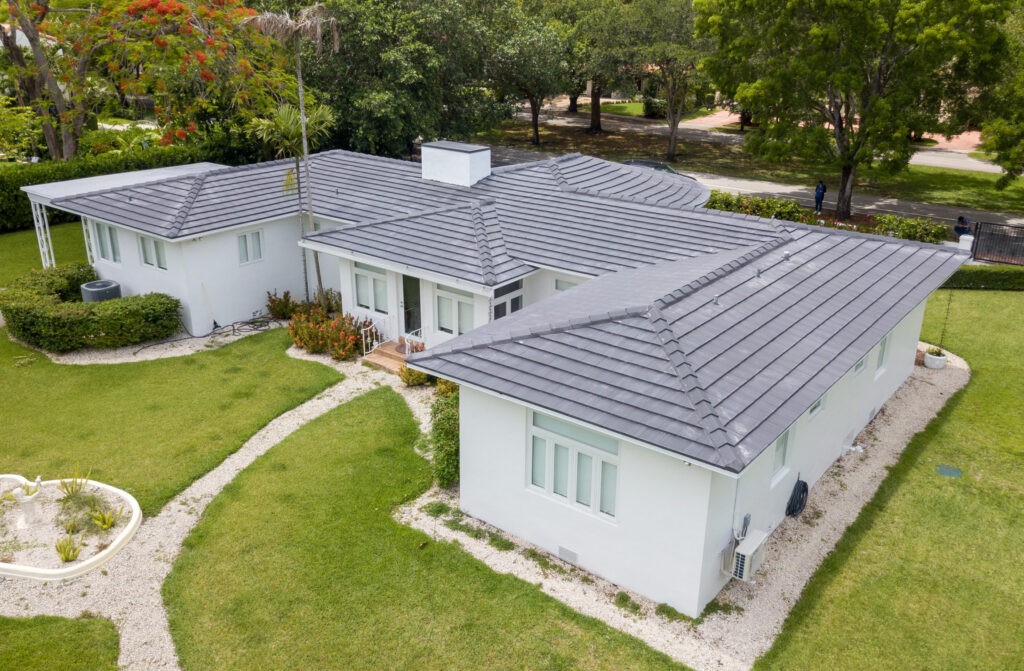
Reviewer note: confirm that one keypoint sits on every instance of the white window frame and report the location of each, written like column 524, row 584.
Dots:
column 107, row 245
column 250, row 245
column 563, row 285
column 507, row 301
column 780, row 458
column 860, row 365
column 152, row 252
column 373, row 277
column 575, row 448
column 883, row 357
column 456, row 297
column 816, row 407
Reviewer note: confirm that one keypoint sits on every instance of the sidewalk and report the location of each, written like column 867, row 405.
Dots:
column 804, row 194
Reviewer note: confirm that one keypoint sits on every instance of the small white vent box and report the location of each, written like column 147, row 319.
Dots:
column 748, row 555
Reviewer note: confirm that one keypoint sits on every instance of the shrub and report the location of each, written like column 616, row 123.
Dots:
column 412, row 377
column 44, row 309
column 315, row 331
column 15, row 209
column 780, row 208
column 908, row 228
column 282, row 307
column 445, row 435
column 1001, row 278
column 446, row 388
column 655, row 108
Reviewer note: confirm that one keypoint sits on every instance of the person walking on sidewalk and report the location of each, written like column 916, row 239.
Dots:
column 819, row 196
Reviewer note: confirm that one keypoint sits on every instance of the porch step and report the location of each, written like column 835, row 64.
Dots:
column 386, row 357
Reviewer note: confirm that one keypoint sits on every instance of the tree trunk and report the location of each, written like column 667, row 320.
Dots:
column 574, row 104
column 321, row 297
column 302, row 228
column 844, row 198
column 595, row 109
column 535, row 119
column 744, row 120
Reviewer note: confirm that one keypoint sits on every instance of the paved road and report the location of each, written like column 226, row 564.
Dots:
column 698, row 130
column 804, row 194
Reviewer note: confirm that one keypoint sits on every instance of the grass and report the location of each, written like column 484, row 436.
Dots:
column 626, row 109
column 298, row 563
column 48, row 643
column 19, row 251
column 926, row 577
column 151, row 427
column 925, row 184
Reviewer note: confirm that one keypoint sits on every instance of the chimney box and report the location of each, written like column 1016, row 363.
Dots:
column 455, row 162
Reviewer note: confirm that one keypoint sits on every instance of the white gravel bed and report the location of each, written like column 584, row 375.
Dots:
column 734, row 641
column 127, row 589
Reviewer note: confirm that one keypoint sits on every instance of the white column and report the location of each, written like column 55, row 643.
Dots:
column 43, row 234
column 87, row 234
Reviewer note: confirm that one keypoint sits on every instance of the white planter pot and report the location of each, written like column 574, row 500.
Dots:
column 932, row 361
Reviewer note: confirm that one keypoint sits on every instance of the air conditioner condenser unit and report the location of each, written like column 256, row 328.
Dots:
column 748, row 555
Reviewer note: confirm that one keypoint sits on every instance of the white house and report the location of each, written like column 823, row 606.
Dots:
column 643, row 380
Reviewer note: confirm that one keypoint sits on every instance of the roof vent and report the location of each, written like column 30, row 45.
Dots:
column 715, row 300
column 785, row 256
column 455, row 162
column 759, row 272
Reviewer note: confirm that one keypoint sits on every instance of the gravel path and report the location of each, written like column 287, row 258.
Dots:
column 734, row 641
column 127, row 589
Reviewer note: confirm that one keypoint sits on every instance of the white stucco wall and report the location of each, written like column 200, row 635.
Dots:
column 654, row 544
column 541, row 284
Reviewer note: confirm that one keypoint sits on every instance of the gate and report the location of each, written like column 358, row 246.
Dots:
column 998, row 243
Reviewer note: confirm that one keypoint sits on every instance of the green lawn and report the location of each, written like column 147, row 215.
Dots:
column 298, row 564
column 151, row 427
column 627, row 109
column 961, row 188
column 926, row 578
column 19, row 251
column 56, row 643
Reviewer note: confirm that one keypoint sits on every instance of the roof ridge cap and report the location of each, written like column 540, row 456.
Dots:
column 186, row 206
column 482, row 244
column 710, row 421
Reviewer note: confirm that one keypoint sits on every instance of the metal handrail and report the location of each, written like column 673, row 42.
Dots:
column 371, row 338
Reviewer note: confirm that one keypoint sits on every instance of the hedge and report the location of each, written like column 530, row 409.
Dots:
column 44, row 309
column 780, row 208
column 1000, row 278
column 444, row 435
column 15, row 209
column 910, row 228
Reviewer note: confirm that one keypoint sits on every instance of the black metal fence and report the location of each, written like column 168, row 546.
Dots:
column 998, row 243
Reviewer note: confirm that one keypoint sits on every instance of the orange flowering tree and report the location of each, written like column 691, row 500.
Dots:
column 197, row 59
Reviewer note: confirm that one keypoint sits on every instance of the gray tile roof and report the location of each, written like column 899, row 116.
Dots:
column 463, row 241
column 707, row 358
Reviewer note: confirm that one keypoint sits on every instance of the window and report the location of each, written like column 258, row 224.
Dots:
column 562, row 285
column 860, row 365
column 781, row 453
column 454, row 310
column 250, row 247
column 371, row 288
column 106, row 238
column 573, row 464
column 153, row 252
column 816, row 407
column 883, row 351
column 508, row 299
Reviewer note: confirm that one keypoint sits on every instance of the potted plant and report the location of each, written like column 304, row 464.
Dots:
column 934, row 358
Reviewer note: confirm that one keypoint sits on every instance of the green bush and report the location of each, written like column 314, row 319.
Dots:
column 283, row 306
column 412, row 377
column 780, row 208
column 15, row 209
column 655, row 108
column 446, row 387
column 445, row 437
column 316, row 331
column 1001, row 278
column 909, row 228
column 44, row 309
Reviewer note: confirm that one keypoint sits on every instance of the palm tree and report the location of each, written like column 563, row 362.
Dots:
column 310, row 23
column 290, row 133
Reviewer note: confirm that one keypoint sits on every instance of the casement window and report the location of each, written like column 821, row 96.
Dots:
column 371, row 288
column 573, row 465
column 883, row 353
column 250, row 247
column 153, row 252
column 508, row 299
column 781, row 453
column 454, row 310
column 562, row 285
column 106, row 243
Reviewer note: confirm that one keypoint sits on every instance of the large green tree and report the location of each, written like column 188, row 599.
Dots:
column 1003, row 133
column 663, row 45
column 849, row 81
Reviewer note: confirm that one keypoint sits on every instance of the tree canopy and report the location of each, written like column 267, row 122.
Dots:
column 850, row 81
column 1003, row 133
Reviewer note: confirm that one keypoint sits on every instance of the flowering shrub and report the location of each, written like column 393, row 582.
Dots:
column 315, row 331
column 282, row 307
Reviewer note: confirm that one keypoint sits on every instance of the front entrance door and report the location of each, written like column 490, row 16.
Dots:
column 411, row 301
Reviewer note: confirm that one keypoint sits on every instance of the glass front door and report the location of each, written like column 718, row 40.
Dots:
column 411, row 301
